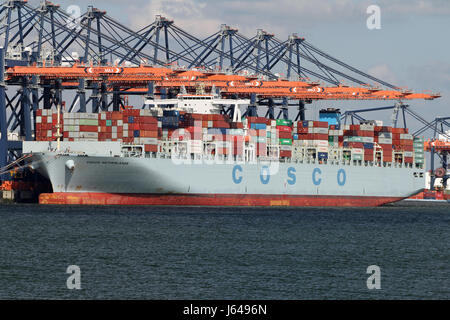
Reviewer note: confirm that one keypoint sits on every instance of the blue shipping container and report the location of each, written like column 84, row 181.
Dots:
column 323, row 155
column 368, row 145
column 171, row 113
column 222, row 131
column 137, row 133
column 130, row 119
column 258, row 126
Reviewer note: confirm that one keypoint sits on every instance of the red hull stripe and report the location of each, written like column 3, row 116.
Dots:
column 220, row 200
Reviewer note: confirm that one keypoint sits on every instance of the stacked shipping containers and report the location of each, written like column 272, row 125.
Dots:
column 365, row 142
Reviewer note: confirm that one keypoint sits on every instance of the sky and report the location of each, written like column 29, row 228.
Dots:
column 412, row 48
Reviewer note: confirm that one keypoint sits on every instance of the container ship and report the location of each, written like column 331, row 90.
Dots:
column 184, row 152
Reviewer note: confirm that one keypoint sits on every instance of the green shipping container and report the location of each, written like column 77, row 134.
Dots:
column 357, row 157
column 355, row 139
column 88, row 122
column 283, row 122
column 419, row 161
column 419, row 156
column 285, row 142
column 419, row 140
column 108, row 123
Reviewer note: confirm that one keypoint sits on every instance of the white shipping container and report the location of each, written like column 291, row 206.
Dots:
column 92, row 116
column 125, row 126
column 153, row 141
column 196, row 143
column 103, row 116
column 321, row 143
column 89, row 135
column 196, row 150
column 384, row 141
column 114, row 135
column 387, row 135
column 367, row 127
column 285, row 148
column 320, row 130
column 38, row 119
column 125, row 134
column 406, row 137
column 114, row 129
column 408, row 154
column 367, row 139
column 119, row 123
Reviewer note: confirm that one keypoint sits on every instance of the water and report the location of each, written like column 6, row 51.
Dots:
column 224, row 253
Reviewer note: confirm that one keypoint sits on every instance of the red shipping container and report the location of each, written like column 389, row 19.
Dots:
column 358, row 145
column 194, row 116
column 284, row 135
column 261, row 133
column 364, row 133
column 284, row 129
column 116, row 116
column 320, row 124
column 88, row 129
column 151, row 120
column 237, row 125
column 408, row 159
column 319, row 136
column 151, row 148
column 221, row 124
column 149, row 127
column 285, row 154
column 408, row 148
column 257, row 120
